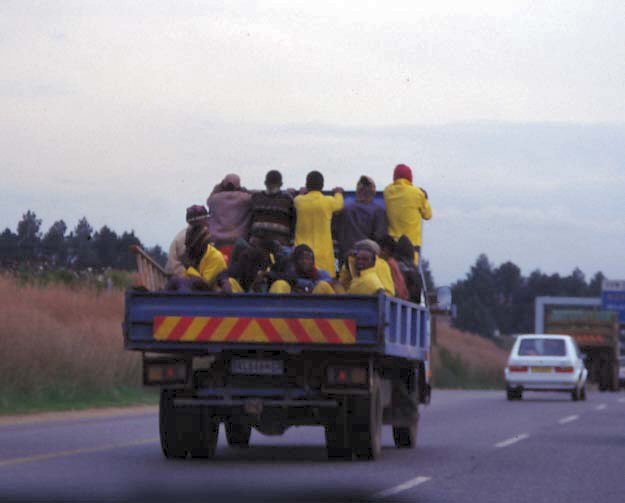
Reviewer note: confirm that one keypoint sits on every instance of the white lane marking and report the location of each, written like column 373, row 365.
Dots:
column 621, row 400
column 601, row 407
column 74, row 452
column 402, row 487
column 513, row 440
column 568, row 419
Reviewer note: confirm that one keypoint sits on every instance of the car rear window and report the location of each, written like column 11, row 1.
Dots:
column 542, row 347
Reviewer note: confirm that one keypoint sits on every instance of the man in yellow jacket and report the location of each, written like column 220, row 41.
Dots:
column 381, row 266
column 366, row 281
column 205, row 263
column 314, row 220
column 406, row 205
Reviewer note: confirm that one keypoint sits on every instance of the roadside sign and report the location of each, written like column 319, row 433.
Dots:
column 613, row 297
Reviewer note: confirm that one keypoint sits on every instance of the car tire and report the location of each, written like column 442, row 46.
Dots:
column 582, row 392
column 514, row 394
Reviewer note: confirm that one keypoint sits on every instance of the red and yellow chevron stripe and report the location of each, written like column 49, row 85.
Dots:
column 268, row 330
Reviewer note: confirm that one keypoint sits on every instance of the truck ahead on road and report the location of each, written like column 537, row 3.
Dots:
column 349, row 363
column 596, row 332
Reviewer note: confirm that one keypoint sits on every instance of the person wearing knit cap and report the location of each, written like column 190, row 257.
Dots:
column 229, row 206
column 314, row 220
column 205, row 262
column 360, row 219
column 406, row 207
column 196, row 214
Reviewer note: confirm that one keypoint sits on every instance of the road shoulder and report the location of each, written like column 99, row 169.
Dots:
column 42, row 417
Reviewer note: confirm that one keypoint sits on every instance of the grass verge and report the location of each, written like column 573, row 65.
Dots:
column 453, row 372
column 61, row 398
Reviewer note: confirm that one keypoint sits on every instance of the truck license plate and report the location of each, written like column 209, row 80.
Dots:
column 256, row 367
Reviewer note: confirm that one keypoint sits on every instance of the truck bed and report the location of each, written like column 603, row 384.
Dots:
column 202, row 323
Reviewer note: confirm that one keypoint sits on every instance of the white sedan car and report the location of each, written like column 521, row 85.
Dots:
column 545, row 362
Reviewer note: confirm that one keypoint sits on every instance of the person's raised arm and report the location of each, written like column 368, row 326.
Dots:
column 337, row 203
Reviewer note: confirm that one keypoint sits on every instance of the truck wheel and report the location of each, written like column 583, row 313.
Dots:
column 405, row 437
column 171, row 441
column 366, row 424
column 337, row 445
column 337, row 434
column 238, row 435
column 203, row 435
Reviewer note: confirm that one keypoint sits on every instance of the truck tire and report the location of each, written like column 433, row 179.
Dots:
column 337, row 443
column 237, row 434
column 407, row 408
column 171, row 441
column 366, row 424
column 405, row 437
column 337, row 434
column 202, row 438
column 614, row 384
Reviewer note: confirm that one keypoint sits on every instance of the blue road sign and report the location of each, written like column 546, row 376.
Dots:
column 613, row 298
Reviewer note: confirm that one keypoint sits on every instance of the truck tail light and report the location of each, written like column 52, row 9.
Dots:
column 517, row 368
column 346, row 376
column 564, row 370
column 164, row 372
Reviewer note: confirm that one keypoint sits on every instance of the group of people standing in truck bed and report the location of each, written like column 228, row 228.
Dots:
column 278, row 241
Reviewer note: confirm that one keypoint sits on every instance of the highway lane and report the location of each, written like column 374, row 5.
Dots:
column 473, row 446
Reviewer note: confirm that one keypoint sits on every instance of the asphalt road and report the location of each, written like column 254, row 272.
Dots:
column 474, row 446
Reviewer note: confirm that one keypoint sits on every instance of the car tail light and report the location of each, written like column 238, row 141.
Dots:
column 517, row 368
column 564, row 370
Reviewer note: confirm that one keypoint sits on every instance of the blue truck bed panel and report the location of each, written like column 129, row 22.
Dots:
column 383, row 324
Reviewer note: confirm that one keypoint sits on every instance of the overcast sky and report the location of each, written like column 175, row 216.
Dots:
column 512, row 115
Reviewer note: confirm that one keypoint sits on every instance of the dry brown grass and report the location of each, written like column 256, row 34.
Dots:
column 465, row 360
column 474, row 350
column 54, row 337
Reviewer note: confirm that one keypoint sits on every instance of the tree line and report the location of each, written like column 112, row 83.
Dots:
column 500, row 300
column 489, row 301
column 79, row 249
